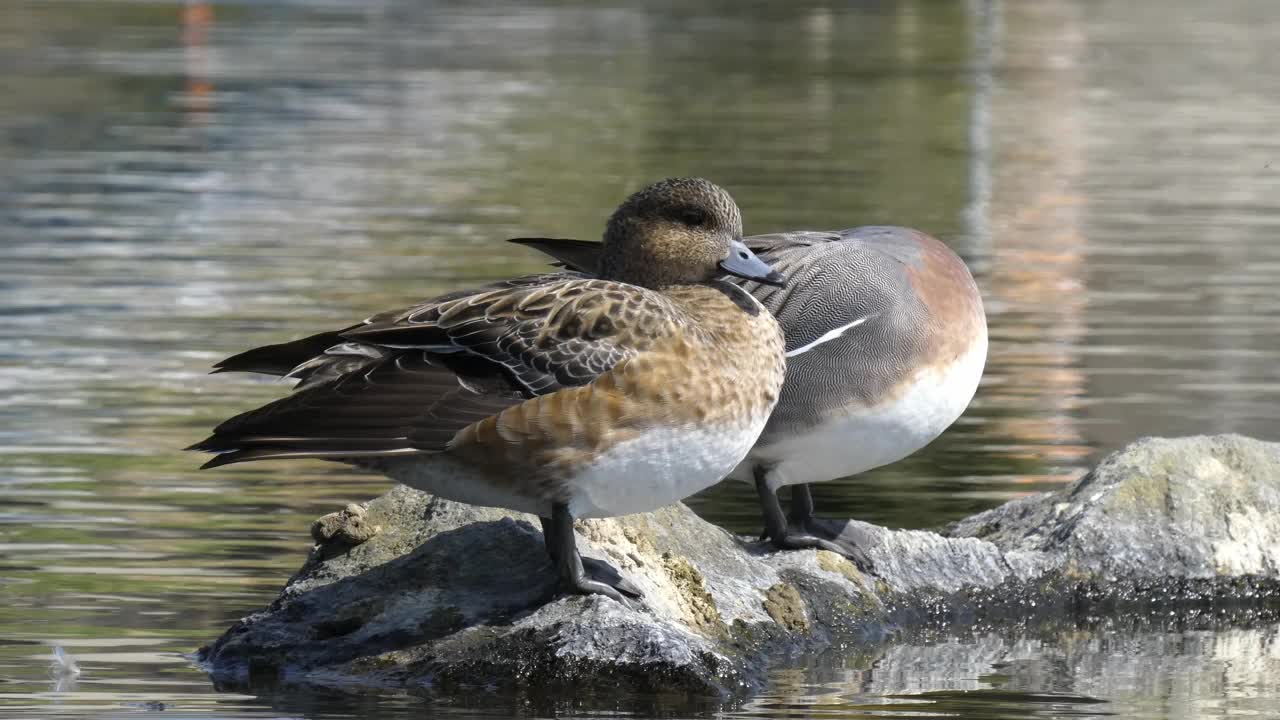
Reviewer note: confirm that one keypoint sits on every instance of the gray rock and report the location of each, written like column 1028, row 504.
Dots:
column 1199, row 507
column 447, row 597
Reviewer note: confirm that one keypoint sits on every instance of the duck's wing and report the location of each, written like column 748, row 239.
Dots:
column 279, row 359
column 307, row 359
column 368, row 412
column 408, row 381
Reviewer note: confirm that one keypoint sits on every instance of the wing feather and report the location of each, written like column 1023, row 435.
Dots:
column 408, row 381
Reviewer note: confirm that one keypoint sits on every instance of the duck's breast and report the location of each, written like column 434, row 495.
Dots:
column 709, row 395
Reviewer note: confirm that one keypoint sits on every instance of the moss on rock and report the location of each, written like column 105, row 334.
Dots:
column 784, row 604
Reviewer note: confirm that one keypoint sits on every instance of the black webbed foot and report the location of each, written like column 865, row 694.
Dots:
column 603, row 572
column 838, row 536
column 803, row 530
column 584, row 576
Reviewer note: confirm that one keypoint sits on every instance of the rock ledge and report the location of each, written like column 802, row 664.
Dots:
column 447, row 597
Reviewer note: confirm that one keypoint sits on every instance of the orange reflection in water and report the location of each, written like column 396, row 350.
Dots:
column 1035, row 218
column 196, row 102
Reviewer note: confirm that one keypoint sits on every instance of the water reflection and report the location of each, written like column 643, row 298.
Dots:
column 1137, row 669
column 1036, row 279
column 183, row 180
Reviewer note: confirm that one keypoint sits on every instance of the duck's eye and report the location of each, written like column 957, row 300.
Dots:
column 693, row 217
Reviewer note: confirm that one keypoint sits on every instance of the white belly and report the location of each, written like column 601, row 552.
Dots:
column 658, row 468
column 645, row 473
column 449, row 478
column 853, row 442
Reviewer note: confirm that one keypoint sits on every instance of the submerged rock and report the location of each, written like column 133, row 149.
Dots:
column 447, row 597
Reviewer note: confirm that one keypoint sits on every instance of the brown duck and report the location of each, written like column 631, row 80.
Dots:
column 560, row 395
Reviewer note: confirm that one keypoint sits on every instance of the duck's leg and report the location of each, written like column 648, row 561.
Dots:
column 803, row 530
column 593, row 567
column 562, row 546
column 801, row 504
column 548, row 538
column 841, row 533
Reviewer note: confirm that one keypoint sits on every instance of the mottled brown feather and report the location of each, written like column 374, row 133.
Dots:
column 546, row 336
column 705, row 369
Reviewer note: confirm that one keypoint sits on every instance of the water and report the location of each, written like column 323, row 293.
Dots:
column 179, row 182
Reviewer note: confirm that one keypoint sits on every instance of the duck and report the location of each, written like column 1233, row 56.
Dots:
column 886, row 341
column 558, row 394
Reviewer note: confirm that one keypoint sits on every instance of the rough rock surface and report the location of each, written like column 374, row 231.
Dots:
column 449, row 597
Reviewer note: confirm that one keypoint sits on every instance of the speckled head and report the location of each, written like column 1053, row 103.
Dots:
column 679, row 231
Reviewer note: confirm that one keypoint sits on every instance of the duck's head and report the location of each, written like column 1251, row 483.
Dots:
column 679, row 231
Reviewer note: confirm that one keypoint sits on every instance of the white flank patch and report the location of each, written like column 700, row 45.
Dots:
column 864, row 438
column 828, row 336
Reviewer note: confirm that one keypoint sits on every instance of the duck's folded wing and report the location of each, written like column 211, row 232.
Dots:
column 310, row 359
column 408, row 382
column 281, row 358
column 364, row 414
column 541, row 333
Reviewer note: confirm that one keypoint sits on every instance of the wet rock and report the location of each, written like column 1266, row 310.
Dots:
column 447, row 598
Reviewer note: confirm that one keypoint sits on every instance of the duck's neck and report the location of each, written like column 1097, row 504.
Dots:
column 647, row 264
column 651, row 276
column 710, row 296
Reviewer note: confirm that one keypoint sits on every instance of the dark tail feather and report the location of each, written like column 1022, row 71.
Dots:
column 244, row 449
column 279, row 359
column 223, row 443
column 237, row 456
column 275, row 453
column 580, row 255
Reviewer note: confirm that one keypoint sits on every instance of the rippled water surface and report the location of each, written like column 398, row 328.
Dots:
column 181, row 181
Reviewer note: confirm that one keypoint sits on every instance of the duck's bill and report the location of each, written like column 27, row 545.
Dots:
column 744, row 263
